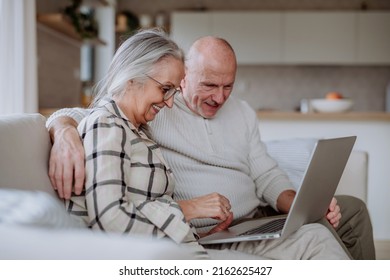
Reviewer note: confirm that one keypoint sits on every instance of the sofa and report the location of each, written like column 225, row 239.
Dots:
column 35, row 225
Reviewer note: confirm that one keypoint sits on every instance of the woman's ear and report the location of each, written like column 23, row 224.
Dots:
column 130, row 84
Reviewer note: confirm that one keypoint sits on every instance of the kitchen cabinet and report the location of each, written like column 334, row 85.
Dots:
column 256, row 37
column 373, row 38
column 186, row 27
column 316, row 38
column 319, row 37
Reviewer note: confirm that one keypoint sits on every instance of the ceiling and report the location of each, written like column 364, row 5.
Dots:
column 155, row 6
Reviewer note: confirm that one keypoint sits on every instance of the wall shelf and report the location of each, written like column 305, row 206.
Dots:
column 60, row 24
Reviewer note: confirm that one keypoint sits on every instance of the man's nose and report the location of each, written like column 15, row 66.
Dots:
column 219, row 96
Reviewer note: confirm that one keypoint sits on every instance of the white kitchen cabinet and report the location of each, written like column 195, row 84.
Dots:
column 255, row 36
column 319, row 37
column 373, row 38
column 186, row 27
column 316, row 38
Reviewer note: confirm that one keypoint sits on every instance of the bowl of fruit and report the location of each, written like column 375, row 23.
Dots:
column 334, row 102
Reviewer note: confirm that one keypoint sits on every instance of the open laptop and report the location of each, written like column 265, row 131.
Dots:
column 311, row 202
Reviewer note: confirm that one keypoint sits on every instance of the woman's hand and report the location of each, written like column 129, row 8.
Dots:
column 221, row 226
column 212, row 205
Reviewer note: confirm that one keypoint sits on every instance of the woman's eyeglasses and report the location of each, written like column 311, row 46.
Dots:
column 168, row 91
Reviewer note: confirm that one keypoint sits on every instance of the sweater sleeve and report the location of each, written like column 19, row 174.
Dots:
column 269, row 179
column 75, row 113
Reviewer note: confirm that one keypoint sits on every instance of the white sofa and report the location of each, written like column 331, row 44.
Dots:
column 34, row 224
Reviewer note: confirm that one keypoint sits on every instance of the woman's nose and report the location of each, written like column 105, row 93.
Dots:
column 169, row 101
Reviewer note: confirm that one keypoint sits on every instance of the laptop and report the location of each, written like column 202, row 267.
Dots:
column 322, row 176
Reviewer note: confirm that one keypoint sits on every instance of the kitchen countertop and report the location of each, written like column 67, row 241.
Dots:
column 347, row 116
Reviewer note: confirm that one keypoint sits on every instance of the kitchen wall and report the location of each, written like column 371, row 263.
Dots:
column 58, row 62
column 282, row 87
column 263, row 86
column 58, row 70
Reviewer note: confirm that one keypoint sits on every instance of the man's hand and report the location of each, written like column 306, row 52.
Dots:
column 66, row 164
column 284, row 201
column 334, row 215
column 286, row 198
column 212, row 205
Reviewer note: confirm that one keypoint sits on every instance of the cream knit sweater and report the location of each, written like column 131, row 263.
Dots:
column 224, row 154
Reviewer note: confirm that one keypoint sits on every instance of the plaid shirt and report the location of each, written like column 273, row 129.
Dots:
column 128, row 186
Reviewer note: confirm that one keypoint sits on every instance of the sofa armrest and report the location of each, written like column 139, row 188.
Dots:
column 24, row 148
column 355, row 177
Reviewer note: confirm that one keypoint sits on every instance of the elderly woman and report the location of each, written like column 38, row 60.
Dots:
column 128, row 185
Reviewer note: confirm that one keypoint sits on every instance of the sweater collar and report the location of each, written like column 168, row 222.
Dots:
column 181, row 104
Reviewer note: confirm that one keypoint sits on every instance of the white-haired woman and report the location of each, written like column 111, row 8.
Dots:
column 128, row 185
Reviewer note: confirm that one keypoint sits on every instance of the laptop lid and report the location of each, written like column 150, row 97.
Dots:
column 319, row 183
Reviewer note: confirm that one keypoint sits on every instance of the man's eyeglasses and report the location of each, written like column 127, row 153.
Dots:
column 168, row 91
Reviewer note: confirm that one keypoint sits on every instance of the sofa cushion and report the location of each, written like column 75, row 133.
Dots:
column 35, row 243
column 24, row 152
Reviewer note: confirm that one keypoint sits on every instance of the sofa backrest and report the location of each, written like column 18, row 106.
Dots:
column 293, row 157
column 24, row 152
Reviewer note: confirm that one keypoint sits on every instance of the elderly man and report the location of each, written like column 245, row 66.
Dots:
column 212, row 143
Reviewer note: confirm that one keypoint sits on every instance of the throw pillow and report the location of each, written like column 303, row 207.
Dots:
column 34, row 208
column 293, row 156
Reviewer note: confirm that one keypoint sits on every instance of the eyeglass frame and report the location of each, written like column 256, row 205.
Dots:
column 167, row 93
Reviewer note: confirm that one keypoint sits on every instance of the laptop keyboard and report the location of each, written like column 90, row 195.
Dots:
column 270, row 227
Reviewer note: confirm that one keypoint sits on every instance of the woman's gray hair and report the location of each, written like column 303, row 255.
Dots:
column 135, row 58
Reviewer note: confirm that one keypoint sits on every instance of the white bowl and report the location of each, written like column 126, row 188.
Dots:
column 331, row 105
